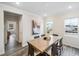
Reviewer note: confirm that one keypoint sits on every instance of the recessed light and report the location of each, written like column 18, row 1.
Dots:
column 17, row 3
column 45, row 14
column 69, row 7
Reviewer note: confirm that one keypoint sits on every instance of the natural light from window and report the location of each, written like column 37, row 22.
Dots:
column 71, row 25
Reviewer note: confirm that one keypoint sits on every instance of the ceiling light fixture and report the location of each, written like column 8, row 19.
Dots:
column 17, row 3
column 45, row 14
column 70, row 7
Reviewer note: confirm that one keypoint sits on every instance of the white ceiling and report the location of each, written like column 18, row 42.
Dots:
column 50, row 8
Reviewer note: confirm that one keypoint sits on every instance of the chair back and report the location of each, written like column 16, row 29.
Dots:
column 55, row 34
column 60, row 42
column 54, row 49
column 42, row 35
column 35, row 37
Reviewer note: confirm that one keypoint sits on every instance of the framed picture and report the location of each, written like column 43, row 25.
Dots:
column 11, row 26
column 35, row 28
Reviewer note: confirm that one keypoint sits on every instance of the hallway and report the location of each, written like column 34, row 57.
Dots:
column 12, row 43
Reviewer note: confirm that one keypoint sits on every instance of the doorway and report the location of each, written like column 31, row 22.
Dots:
column 11, row 31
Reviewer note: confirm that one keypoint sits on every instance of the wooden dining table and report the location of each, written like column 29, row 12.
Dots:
column 42, row 45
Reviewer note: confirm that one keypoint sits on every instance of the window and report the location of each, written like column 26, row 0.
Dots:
column 71, row 25
column 49, row 25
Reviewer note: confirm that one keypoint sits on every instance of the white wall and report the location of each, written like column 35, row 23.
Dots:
column 58, row 27
column 71, row 40
column 1, row 32
column 25, row 24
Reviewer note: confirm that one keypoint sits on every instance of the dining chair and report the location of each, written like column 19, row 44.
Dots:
column 54, row 49
column 42, row 35
column 55, row 34
column 30, row 50
column 49, row 51
column 35, row 37
column 60, row 46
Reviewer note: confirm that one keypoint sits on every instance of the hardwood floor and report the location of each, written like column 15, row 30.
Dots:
column 18, row 52
column 67, row 51
column 70, row 51
column 12, row 45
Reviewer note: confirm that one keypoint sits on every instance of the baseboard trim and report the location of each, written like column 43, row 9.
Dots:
column 70, row 46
